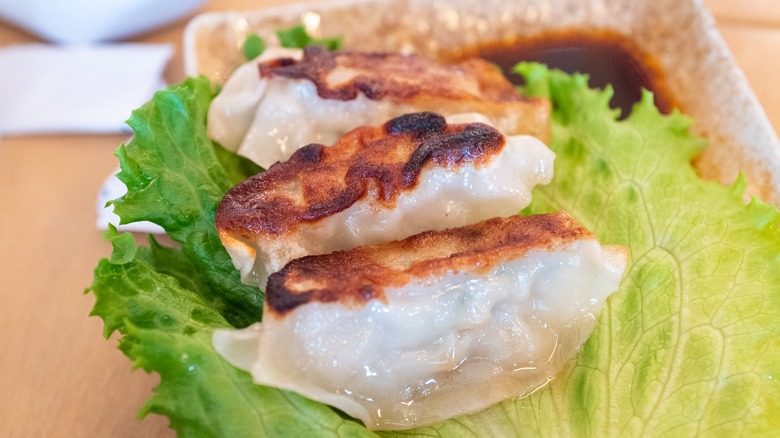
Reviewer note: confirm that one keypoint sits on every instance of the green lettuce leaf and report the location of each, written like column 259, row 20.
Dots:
column 167, row 329
column 296, row 37
column 689, row 345
column 253, row 46
column 175, row 178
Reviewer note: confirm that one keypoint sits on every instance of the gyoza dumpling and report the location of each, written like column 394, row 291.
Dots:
column 437, row 325
column 270, row 107
column 376, row 184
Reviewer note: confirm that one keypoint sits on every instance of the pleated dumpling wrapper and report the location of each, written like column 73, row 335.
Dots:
column 377, row 184
column 440, row 324
column 286, row 99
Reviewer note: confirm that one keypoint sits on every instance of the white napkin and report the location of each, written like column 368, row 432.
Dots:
column 49, row 89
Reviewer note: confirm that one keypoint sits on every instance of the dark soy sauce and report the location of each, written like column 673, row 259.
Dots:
column 607, row 57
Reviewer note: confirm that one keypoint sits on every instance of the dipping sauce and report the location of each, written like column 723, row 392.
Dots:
column 608, row 57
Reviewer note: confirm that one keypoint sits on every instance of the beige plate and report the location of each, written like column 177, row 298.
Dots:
column 680, row 34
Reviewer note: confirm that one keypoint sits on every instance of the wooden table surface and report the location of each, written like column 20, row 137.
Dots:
column 58, row 376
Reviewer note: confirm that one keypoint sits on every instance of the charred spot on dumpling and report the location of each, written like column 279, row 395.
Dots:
column 475, row 142
column 284, row 299
column 311, row 153
column 265, row 68
column 418, row 124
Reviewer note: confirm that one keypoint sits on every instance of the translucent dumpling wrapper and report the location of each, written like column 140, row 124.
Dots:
column 282, row 101
column 376, row 184
column 440, row 324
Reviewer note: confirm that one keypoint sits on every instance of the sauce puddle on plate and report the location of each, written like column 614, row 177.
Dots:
column 608, row 57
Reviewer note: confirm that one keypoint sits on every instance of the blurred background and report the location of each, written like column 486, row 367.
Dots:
column 58, row 377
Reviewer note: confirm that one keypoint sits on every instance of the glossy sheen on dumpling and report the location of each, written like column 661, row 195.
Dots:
column 437, row 325
column 272, row 106
column 376, row 184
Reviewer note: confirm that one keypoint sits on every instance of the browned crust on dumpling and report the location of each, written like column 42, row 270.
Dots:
column 354, row 277
column 319, row 181
column 473, row 85
column 393, row 76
